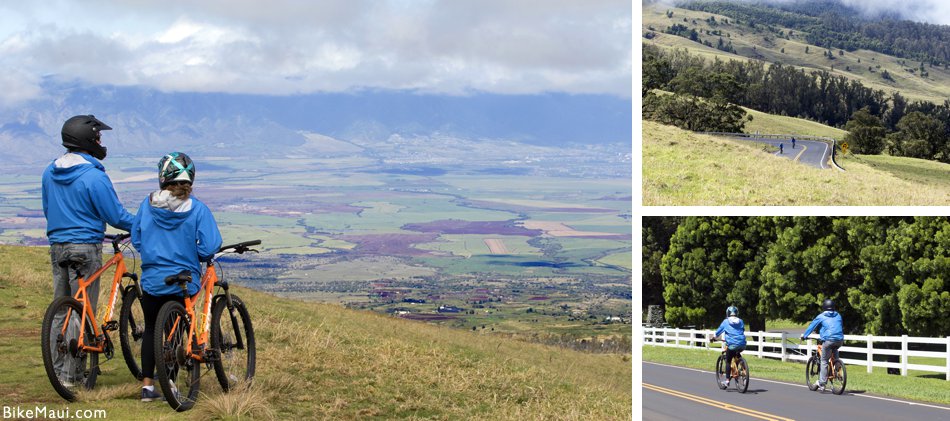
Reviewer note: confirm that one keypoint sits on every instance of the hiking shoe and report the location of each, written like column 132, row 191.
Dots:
column 820, row 387
column 151, row 395
column 725, row 383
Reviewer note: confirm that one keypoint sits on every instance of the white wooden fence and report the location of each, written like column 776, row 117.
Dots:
column 776, row 345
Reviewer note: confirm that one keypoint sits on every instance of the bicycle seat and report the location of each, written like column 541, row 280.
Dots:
column 73, row 260
column 182, row 278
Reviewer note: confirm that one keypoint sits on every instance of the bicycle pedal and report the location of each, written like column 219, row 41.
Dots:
column 111, row 325
column 212, row 355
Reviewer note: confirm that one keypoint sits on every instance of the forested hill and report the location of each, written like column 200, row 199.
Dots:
column 832, row 24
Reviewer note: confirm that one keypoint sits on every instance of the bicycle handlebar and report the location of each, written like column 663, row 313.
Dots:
column 116, row 238
column 240, row 248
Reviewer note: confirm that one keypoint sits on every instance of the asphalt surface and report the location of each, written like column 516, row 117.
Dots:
column 676, row 393
column 809, row 152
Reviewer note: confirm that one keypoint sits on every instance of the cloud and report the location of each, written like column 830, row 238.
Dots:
column 290, row 46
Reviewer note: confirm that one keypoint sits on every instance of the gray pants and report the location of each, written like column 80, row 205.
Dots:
column 827, row 348
column 66, row 283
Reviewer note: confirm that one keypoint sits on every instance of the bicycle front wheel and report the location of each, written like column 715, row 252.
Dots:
column 68, row 367
column 839, row 379
column 721, row 371
column 812, row 372
column 131, row 329
column 232, row 335
column 175, row 370
column 742, row 379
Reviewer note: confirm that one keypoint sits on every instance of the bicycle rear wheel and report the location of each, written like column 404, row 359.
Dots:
column 67, row 367
column 742, row 379
column 131, row 329
column 812, row 372
column 721, row 371
column 232, row 334
column 176, row 371
column 838, row 378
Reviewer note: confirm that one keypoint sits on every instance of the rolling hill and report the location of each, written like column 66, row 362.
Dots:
column 681, row 168
column 759, row 43
column 318, row 361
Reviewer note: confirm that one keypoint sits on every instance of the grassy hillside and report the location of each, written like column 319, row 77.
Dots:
column 763, row 45
column 683, row 168
column 322, row 361
column 776, row 124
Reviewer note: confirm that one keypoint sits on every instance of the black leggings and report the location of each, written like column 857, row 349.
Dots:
column 151, row 305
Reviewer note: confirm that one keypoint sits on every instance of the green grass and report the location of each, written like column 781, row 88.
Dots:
column 776, row 124
column 878, row 382
column 323, row 361
column 934, row 88
column 681, row 168
column 918, row 171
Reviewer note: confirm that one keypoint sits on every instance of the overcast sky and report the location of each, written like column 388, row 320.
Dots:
column 302, row 46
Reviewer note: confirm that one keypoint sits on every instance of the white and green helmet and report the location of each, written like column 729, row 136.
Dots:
column 175, row 167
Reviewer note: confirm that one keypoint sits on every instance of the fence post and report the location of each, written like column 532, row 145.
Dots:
column 903, row 355
column 948, row 358
column 676, row 337
column 870, row 354
column 761, row 344
column 784, row 351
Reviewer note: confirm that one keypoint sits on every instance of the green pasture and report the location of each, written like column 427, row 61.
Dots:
column 468, row 245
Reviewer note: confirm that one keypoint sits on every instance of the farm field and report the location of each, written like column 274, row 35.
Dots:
column 352, row 232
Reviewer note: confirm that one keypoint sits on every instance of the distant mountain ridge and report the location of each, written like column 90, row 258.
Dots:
column 149, row 121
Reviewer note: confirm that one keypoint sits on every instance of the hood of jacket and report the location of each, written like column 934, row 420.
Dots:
column 71, row 166
column 831, row 313
column 168, row 211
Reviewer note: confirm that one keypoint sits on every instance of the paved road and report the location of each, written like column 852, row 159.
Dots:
column 811, row 152
column 675, row 393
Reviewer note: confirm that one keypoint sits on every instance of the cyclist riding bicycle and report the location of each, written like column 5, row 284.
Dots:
column 734, row 328
column 174, row 232
column 831, row 331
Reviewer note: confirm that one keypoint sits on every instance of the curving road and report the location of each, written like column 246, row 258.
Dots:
column 810, row 152
column 676, row 393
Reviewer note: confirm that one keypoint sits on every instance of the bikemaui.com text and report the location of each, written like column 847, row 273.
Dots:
column 42, row 412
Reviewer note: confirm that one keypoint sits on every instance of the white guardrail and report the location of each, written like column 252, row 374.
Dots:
column 776, row 345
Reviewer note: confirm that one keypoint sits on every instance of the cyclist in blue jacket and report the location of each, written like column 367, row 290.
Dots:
column 78, row 201
column 831, row 331
column 734, row 328
column 174, row 232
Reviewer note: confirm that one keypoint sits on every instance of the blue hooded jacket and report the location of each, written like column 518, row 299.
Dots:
column 173, row 236
column 831, row 326
column 735, row 331
column 78, row 201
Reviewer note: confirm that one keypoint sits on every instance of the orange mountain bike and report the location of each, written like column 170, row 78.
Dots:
column 182, row 342
column 837, row 373
column 738, row 370
column 72, row 339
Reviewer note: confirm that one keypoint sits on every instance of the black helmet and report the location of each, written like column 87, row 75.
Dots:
column 83, row 132
column 175, row 167
column 828, row 305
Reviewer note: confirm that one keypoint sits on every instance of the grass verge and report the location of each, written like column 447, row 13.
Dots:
column 681, row 168
column 878, row 382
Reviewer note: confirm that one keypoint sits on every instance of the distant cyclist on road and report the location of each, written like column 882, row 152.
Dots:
column 781, row 148
column 734, row 328
column 174, row 232
column 831, row 331
column 793, row 143
column 78, row 201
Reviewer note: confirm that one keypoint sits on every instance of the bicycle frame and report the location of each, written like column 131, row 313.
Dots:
column 83, row 297
column 832, row 363
column 197, row 338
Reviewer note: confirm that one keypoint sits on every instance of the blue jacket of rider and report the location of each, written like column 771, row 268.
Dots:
column 734, row 328
column 78, row 201
column 830, row 326
column 173, row 236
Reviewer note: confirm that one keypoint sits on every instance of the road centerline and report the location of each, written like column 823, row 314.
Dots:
column 797, row 157
column 714, row 403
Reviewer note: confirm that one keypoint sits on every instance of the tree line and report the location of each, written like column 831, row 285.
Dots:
column 832, row 24
column 888, row 275
column 816, row 95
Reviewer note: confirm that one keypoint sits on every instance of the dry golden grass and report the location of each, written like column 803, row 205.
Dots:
column 320, row 361
column 681, row 168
